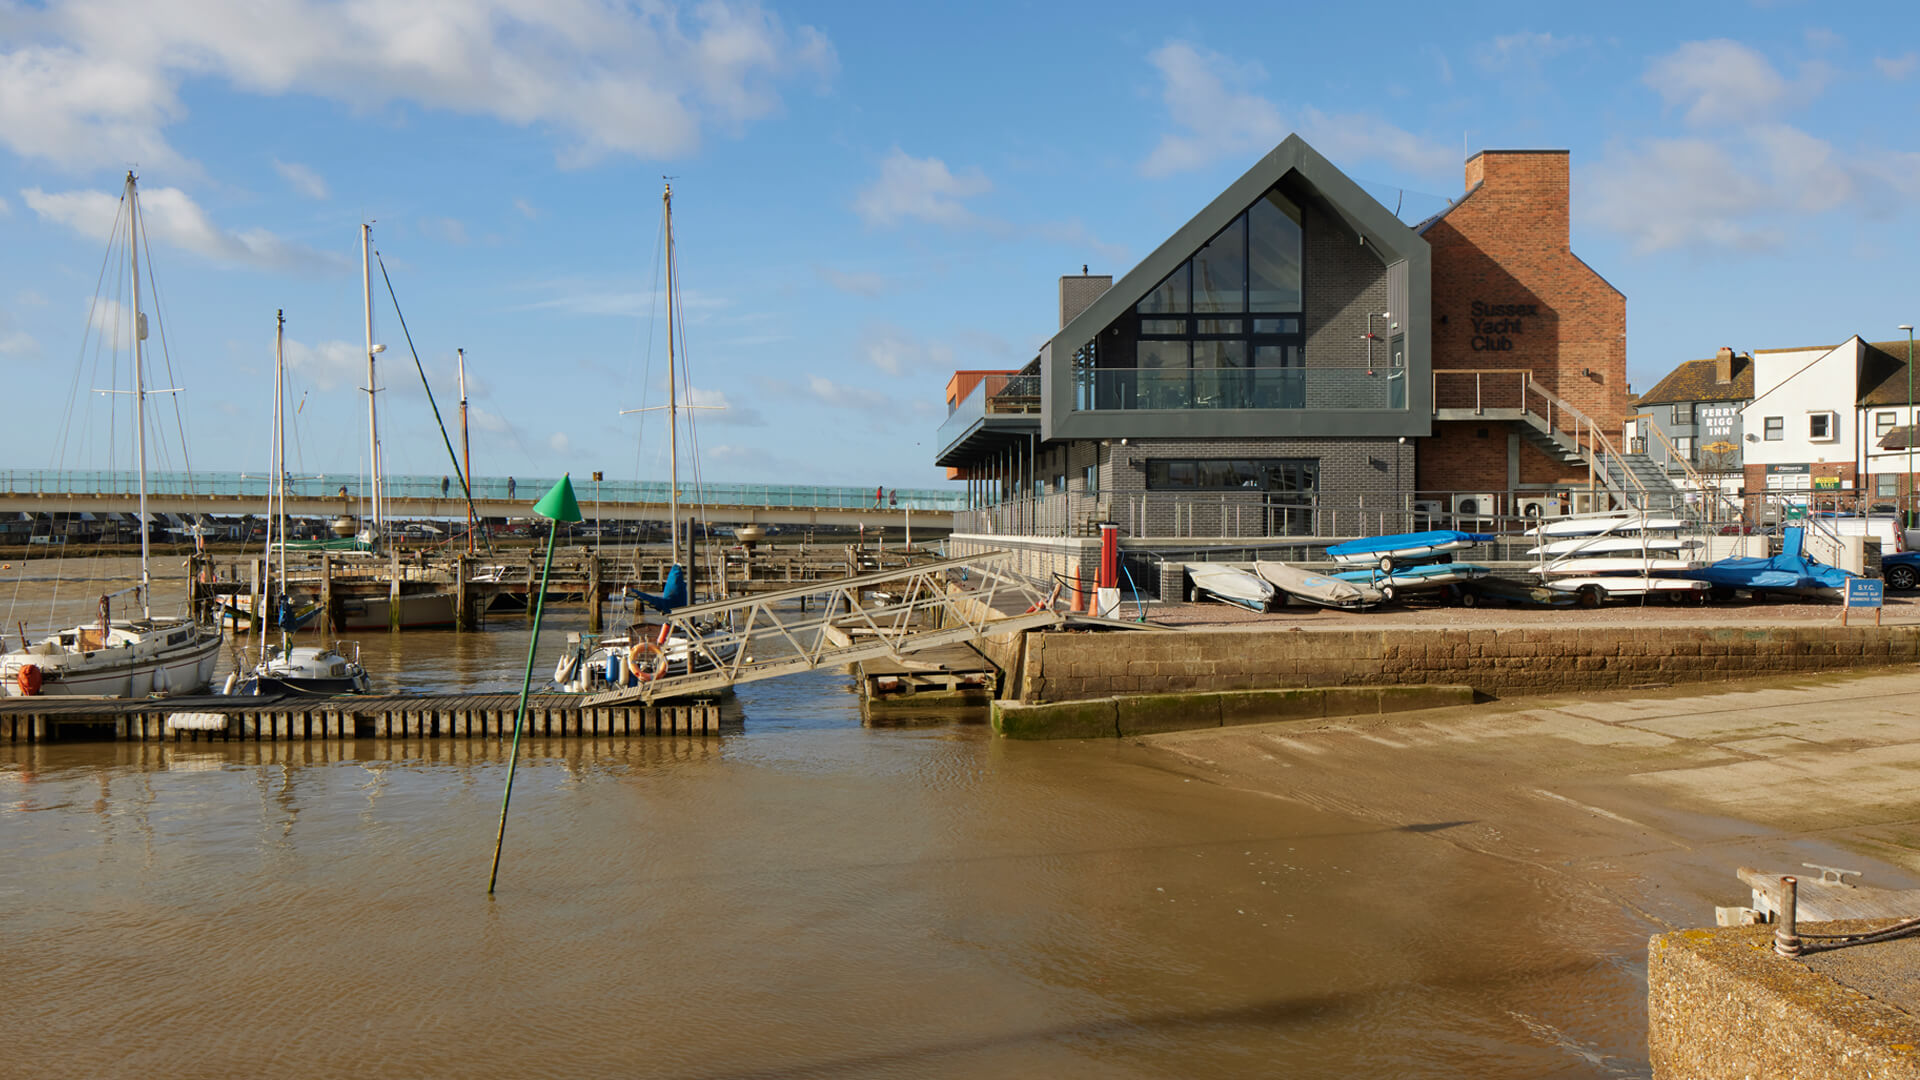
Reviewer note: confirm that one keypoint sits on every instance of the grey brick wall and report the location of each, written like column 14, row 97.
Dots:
column 1344, row 282
column 1078, row 292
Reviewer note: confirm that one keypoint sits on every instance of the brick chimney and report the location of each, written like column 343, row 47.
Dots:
column 1079, row 291
column 1723, row 366
column 1532, row 185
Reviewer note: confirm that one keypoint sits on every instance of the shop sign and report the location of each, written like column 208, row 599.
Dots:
column 1796, row 469
column 1826, row 483
column 1494, row 325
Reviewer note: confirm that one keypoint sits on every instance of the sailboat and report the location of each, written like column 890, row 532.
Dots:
column 363, row 602
column 122, row 657
column 646, row 652
column 288, row 668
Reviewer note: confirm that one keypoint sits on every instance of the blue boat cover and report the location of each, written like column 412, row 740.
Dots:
column 1420, row 541
column 1791, row 569
column 672, row 595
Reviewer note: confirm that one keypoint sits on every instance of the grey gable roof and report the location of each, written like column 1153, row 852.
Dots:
column 1361, row 212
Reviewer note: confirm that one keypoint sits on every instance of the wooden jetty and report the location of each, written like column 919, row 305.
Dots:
column 343, row 716
column 945, row 677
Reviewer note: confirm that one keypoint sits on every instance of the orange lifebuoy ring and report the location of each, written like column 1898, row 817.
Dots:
column 28, row 679
column 636, row 650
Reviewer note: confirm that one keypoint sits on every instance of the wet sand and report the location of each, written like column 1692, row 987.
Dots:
column 1642, row 802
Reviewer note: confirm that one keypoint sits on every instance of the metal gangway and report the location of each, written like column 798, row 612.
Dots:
column 773, row 634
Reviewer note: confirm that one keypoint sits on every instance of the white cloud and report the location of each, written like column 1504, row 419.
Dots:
column 897, row 352
column 30, row 298
column 96, row 84
column 1717, row 81
column 170, row 216
column 861, row 398
column 559, row 443
column 712, row 407
column 15, row 341
column 301, row 179
column 329, row 365
column 1526, row 49
column 1897, row 68
column 856, row 283
column 1741, row 176
column 5, row 210
column 919, row 189
column 527, row 209
column 1206, row 96
column 449, row 229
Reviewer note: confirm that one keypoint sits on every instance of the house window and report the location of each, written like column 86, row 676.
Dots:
column 1683, row 447
column 1883, row 423
column 1093, row 479
column 1776, row 428
column 1820, row 426
column 1886, row 483
column 1683, row 413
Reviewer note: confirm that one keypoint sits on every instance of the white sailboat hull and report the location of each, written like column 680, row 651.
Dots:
column 146, row 664
column 1586, row 567
column 1615, row 524
column 1613, row 545
column 1626, row 585
column 1231, row 585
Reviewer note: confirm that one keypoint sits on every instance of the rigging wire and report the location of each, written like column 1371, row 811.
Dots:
column 417, row 366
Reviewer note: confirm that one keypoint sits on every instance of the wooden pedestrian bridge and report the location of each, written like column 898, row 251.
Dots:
column 887, row 614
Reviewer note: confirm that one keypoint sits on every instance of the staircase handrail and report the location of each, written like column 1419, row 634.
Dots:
column 1596, row 458
column 1711, row 496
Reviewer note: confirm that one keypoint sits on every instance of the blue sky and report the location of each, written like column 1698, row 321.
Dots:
column 866, row 196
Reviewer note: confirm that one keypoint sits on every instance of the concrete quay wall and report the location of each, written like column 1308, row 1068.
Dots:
column 1722, row 1006
column 1495, row 662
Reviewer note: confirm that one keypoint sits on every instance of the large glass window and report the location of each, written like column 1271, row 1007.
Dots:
column 1224, row 331
column 1273, row 255
column 1220, row 271
column 1292, row 477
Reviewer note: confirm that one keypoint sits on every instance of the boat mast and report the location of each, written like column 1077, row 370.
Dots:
column 673, row 397
column 373, row 413
column 279, row 447
column 466, row 451
column 139, row 393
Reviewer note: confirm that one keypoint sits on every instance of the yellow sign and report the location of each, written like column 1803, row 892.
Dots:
column 1826, row 483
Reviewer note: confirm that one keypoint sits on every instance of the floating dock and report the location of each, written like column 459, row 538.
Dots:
column 220, row 718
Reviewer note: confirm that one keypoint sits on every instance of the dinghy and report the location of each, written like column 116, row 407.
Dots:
column 1613, row 545
column 1420, row 577
column 1791, row 572
column 1619, row 524
column 1386, row 551
column 1233, row 586
column 1319, row 588
column 1583, row 566
column 1512, row 592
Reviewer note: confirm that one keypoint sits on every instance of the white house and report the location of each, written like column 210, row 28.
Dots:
column 1817, row 418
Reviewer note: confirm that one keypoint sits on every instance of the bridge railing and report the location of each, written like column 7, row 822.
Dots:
column 486, row 488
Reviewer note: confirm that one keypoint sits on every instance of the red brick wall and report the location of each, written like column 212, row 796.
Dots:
column 1506, row 244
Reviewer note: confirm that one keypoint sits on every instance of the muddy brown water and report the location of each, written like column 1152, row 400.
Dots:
column 807, row 897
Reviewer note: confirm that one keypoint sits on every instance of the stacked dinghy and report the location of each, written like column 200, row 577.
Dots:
column 1629, row 554
column 1409, row 562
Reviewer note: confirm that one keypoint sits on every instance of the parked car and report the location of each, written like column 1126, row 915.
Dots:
column 1901, row 570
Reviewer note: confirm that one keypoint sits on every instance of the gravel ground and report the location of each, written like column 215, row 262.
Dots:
column 1900, row 610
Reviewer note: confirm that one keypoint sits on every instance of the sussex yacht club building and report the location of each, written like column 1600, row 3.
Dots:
column 1296, row 361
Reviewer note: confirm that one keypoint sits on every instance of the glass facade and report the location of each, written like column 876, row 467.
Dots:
column 1227, row 330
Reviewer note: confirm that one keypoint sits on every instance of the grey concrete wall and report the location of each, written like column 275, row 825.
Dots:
column 1070, row 667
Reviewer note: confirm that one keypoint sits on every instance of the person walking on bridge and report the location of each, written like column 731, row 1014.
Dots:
column 509, row 487
column 879, row 496
column 443, row 487
column 893, row 499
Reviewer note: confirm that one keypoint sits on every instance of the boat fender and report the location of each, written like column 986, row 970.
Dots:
column 28, row 679
column 233, row 677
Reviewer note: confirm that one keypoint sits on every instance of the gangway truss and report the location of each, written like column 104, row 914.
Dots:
column 767, row 636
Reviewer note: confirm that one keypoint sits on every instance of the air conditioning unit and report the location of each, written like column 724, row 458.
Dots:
column 1538, row 506
column 1427, row 513
column 1591, row 502
column 1474, row 506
